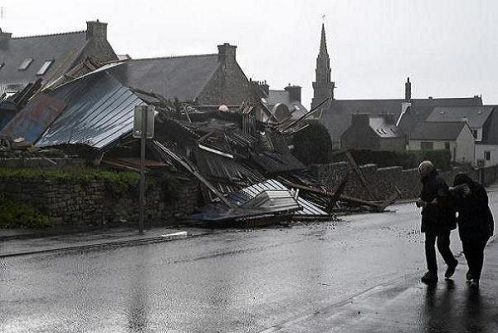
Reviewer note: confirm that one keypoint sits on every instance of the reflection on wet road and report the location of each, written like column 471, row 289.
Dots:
column 231, row 281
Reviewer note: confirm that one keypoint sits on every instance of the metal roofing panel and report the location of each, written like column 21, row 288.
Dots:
column 34, row 119
column 252, row 191
column 100, row 110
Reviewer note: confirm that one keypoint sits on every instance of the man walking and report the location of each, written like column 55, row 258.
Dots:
column 438, row 219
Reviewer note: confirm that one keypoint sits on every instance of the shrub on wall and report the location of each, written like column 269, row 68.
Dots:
column 408, row 159
column 21, row 215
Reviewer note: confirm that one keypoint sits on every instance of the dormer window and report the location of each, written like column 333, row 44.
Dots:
column 44, row 68
column 2, row 65
column 25, row 64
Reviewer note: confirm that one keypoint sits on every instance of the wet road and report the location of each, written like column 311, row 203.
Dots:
column 228, row 281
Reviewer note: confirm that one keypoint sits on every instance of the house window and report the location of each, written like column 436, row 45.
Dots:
column 487, row 155
column 474, row 133
column 45, row 67
column 447, row 145
column 424, row 145
column 25, row 64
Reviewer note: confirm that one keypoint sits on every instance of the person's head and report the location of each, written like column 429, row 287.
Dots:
column 424, row 168
column 462, row 178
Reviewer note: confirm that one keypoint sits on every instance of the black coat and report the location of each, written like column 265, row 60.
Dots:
column 440, row 216
column 475, row 221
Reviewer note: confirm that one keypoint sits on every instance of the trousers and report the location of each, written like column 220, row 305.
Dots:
column 474, row 254
column 443, row 245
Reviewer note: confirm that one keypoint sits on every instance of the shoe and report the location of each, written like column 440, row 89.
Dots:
column 429, row 277
column 468, row 276
column 474, row 284
column 450, row 270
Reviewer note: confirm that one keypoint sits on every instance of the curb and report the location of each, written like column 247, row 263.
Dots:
column 130, row 242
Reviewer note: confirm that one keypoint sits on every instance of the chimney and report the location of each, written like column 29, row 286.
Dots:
column 96, row 30
column 360, row 120
column 4, row 38
column 408, row 89
column 226, row 53
column 294, row 93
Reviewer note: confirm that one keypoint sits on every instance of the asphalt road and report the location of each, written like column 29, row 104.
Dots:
column 230, row 281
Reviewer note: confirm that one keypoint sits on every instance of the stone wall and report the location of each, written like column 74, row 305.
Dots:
column 383, row 182
column 96, row 204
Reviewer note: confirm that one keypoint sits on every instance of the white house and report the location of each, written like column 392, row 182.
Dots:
column 453, row 136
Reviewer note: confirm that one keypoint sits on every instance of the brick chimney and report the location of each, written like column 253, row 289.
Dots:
column 4, row 38
column 294, row 93
column 227, row 53
column 408, row 89
column 96, row 30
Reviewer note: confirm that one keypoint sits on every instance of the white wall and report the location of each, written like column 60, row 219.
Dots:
column 462, row 150
column 465, row 146
column 479, row 154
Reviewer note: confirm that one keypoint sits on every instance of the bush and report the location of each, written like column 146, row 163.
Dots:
column 21, row 215
column 407, row 159
column 313, row 144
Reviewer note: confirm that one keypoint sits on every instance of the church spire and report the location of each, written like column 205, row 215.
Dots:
column 323, row 42
column 323, row 87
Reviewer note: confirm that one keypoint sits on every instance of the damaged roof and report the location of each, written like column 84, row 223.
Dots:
column 182, row 77
column 99, row 111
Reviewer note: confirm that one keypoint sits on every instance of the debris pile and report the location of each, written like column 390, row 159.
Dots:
column 240, row 156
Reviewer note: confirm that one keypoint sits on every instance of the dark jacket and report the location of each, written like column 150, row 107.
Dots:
column 475, row 220
column 439, row 216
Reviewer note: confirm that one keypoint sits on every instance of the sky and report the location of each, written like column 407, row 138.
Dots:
column 448, row 48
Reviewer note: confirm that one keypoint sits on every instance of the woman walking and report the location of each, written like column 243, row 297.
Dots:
column 475, row 223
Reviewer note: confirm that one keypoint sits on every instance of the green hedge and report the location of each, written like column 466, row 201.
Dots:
column 408, row 159
column 118, row 181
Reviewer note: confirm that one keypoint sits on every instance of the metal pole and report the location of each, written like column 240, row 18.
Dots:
column 142, row 170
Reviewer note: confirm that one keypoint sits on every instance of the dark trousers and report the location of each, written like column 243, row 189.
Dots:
column 474, row 253
column 443, row 245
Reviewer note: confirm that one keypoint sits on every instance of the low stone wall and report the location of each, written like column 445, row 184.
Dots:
column 383, row 182
column 96, row 204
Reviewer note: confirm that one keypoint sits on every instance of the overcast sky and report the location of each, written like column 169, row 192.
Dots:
column 449, row 48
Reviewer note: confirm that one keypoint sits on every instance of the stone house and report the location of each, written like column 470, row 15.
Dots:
column 283, row 103
column 24, row 60
column 373, row 133
column 207, row 80
column 453, row 136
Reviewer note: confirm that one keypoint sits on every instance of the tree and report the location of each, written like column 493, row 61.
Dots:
column 313, row 144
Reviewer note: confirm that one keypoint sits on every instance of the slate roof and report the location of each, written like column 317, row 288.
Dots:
column 337, row 115
column 181, row 77
column 437, row 131
column 63, row 48
column 475, row 116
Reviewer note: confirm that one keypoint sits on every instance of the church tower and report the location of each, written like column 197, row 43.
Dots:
column 322, row 87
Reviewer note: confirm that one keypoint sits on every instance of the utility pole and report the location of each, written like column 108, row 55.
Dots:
column 143, row 129
column 142, row 170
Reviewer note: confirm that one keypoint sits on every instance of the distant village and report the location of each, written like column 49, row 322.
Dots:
column 68, row 99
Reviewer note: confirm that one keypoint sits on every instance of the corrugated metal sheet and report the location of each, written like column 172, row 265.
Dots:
column 250, row 192
column 99, row 111
column 34, row 119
